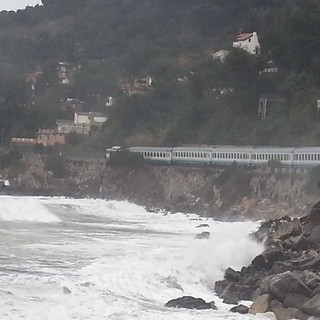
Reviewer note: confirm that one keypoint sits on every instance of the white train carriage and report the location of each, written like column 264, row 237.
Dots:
column 227, row 155
column 262, row 155
column 156, row 154
column 306, row 157
column 192, row 155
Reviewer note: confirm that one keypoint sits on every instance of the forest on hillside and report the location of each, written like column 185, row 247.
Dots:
column 194, row 99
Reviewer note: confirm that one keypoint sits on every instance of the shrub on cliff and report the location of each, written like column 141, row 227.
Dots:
column 10, row 159
column 57, row 165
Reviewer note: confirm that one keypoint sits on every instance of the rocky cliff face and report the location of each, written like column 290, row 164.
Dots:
column 223, row 193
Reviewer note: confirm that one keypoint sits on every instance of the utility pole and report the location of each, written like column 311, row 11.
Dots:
column 1, row 139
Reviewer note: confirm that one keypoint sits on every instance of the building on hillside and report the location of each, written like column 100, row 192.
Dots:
column 220, row 55
column 68, row 126
column 50, row 137
column 90, row 118
column 65, row 72
column 269, row 68
column 23, row 144
column 110, row 102
column 248, row 42
column 71, row 104
column 137, row 86
column 32, row 78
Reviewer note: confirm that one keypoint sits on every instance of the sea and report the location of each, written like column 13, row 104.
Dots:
column 91, row 259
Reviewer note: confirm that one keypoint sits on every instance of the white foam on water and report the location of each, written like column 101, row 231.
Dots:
column 25, row 209
column 122, row 273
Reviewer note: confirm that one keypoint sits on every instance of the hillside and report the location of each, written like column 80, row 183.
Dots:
column 192, row 98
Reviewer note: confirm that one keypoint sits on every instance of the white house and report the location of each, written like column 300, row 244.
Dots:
column 89, row 118
column 248, row 42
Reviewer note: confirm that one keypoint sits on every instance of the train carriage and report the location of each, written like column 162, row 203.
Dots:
column 262, row 155
column 227, row 155
column 192, row 155
column 154, row 154
column 306, row 157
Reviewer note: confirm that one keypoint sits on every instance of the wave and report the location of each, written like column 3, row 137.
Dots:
column 25, row 209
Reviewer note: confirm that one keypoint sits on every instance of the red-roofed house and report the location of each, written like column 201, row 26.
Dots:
column 248, row 42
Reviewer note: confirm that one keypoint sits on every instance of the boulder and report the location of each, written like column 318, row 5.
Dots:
column 260, row 304
column 220, row 286
column 203, row 225
column 232, row 275
column 290, row 313
column 240, row 309
column 287, row 229
column 231, row 299
column 288, row 282
column 295, row 300
column 189, row 302
column 314, row 237
column 203, row 235
column 312, row 307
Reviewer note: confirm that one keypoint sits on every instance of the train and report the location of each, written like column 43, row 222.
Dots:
column 227, row 155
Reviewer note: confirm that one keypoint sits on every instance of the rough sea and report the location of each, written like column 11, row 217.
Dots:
column 94, row 259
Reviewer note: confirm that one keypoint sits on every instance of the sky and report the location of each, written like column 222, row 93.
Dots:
column 17, row 4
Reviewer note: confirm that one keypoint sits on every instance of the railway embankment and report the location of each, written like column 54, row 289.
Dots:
column 230, row 193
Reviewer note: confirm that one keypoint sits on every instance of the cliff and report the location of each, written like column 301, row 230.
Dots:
column 231, row 193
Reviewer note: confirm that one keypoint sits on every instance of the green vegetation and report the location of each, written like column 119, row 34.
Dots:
column 111, row 41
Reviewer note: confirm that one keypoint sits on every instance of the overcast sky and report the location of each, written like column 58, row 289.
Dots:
column 17, row 4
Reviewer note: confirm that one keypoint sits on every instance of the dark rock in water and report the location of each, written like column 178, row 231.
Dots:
column 203, row 235
column 232, row 275
column 220, row 286
column 66, row 290
column 231, row 299
column 189, row 302
column 203, row 225
column 240, row 309
column 312, row 307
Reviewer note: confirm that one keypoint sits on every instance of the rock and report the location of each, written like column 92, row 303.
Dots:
column 66, row 290
column 294, row 300
column 288, row 282
column 290, row 313
column 312, row 307
column 220, row 286
column 203, row 235
column 268, row 258
column 240, row 309
column 287, row 229
column 308, row 259
column 232, row 275
column 203, row 225
column 189, row 302
column 231, row 299
column 315, row 214
column 314, row 238
column 260, row 304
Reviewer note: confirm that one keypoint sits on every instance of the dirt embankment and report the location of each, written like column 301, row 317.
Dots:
column 227, row 194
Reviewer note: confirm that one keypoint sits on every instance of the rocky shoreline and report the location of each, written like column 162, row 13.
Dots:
column 283, row 279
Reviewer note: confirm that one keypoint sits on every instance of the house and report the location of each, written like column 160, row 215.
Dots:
column 248, row 42
column 64, row 71
column 90, row 118
column 269, row 68
column 68, row 126
column 137, row 86
column 50, row 137
column 220, row 55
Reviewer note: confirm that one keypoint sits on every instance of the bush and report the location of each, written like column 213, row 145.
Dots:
column 57, row 165
column 10, row 158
